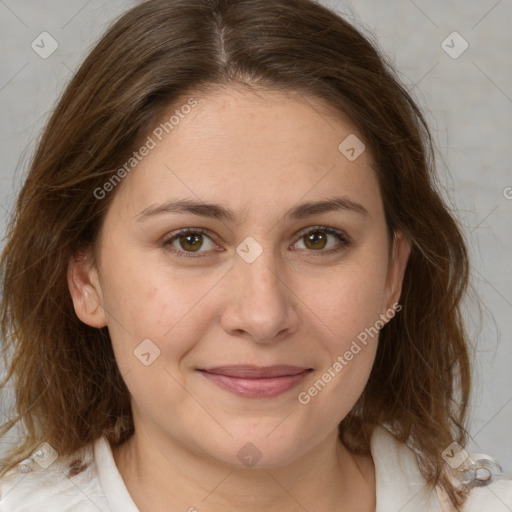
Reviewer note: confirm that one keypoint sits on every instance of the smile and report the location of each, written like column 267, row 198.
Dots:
column 254, row 382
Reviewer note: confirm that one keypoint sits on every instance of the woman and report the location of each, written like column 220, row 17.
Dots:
column 248, row 287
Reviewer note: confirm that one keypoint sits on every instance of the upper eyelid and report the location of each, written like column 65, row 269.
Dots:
column 329, row 229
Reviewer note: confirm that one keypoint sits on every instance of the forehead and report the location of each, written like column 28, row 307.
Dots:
column 252, row 149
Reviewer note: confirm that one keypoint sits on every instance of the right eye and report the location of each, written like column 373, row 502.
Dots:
column 187, row 241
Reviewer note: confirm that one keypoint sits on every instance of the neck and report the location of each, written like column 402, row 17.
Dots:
column 160, row 473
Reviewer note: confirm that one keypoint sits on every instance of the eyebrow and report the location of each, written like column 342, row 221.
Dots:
column 217, row 211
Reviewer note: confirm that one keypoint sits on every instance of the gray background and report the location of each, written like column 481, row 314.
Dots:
column 467, row 100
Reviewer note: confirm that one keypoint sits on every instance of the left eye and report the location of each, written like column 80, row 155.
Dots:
column 317, row 240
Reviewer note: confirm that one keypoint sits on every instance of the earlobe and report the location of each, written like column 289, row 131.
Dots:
column 85, row 290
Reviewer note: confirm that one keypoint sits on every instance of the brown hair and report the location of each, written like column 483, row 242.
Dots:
column 68, row 389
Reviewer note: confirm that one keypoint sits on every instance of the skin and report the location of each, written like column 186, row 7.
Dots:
column 258, row 154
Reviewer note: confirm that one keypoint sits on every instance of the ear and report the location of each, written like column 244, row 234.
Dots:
column 396, row 269
column 85, row 290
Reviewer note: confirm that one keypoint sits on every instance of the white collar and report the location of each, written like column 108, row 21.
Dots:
column 399, row 483
column 110, row 478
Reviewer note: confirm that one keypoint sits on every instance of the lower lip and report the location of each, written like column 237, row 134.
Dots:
column 256, row 388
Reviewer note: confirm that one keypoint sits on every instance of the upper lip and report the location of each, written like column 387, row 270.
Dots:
column 255, row 372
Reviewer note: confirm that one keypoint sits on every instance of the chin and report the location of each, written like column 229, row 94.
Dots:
column 259, row 450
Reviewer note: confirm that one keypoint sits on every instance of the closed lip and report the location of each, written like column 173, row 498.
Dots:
column 255, row 372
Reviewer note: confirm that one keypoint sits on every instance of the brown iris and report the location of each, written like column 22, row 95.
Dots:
column 191, row 241
column 315, row 240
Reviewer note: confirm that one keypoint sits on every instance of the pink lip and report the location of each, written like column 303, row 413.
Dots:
column 256, row 382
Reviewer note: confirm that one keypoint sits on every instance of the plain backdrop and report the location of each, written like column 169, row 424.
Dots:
column 467, row 99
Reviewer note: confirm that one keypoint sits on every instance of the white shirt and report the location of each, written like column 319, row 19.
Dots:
column 95, row 484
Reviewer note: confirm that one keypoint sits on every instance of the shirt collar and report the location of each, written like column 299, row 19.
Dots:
column 399, row 483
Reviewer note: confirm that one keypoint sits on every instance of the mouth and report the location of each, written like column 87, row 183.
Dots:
column 256, row 382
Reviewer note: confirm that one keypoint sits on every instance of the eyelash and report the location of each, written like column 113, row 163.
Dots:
column 344, row 240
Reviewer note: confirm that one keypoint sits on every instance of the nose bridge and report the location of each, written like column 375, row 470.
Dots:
column 257, row 266
column 261, row 278
column 262, row 306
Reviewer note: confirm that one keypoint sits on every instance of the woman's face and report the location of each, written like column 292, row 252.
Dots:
column 239, row 340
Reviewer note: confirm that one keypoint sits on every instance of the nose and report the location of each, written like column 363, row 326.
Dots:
column 261, row 304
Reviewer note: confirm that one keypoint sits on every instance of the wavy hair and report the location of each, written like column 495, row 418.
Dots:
column 68, row 389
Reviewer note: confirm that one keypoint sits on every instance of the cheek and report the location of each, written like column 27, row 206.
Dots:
column 349, row 311
column 347, row 306
column 348, row 298
column 148, row 300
